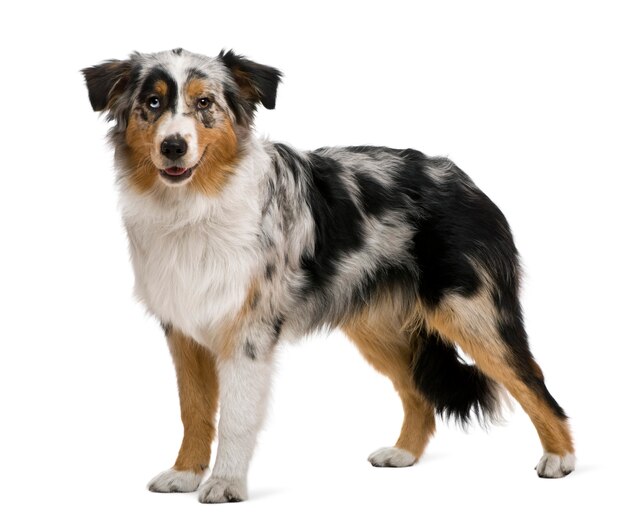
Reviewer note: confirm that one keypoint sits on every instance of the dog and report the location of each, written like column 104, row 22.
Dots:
column 238, row 243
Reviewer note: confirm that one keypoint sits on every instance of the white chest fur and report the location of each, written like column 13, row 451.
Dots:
column 194, row 257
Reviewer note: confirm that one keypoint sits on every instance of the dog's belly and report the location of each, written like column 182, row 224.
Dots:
column 189, row 279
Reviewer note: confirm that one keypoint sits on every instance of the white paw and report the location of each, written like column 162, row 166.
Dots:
column 555, row 466
column 218, row 490
column 391, row 458
column 174, row 481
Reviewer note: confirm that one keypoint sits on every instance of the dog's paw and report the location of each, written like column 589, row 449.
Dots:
column 391, row 458
column 218, row 490
column 555, row 466
column 174, row 481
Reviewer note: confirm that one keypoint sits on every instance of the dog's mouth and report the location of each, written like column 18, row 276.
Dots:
column 176, row 174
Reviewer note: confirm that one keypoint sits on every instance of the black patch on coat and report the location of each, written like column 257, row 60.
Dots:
column 399, row 278
column 270, row 269
column 193, row 73
column 375, row 197
column 294, row 162
column 456, row 390
column 167, row 328
column 278, row 326
column 249, row 350
column 453, row 225
column 337, row 219
column 178, row 51
column 170, row 100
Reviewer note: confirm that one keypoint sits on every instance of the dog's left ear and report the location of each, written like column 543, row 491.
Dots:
column 257, row 83
column 107, row 82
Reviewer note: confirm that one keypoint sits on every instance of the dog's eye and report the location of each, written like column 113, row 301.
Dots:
column 154, row 102
column 203, row 103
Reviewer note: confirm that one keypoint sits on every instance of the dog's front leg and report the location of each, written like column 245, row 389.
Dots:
column 244, row 380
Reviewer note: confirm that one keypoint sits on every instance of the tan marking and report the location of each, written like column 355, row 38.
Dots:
column 194, row 89
column 219, row 153
column 160, row 88
column 198, row 393
column 378, row 334
column 471, row 324
column 140, row 140
column 471, row 317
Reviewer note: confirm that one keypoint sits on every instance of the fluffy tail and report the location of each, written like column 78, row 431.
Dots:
column 456, row 390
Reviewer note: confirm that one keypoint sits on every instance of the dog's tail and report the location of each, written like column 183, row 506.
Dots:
column 457, row 390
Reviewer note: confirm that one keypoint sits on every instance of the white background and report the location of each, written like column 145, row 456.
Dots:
column 527, row 97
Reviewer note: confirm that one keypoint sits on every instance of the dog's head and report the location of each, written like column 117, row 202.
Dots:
column 179, row 117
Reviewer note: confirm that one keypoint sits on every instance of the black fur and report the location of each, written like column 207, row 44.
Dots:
column 106, row 81
column 336, row 216
column 250, row 350
column 256, row 84
column 147, row 90
column 456, row 390
column 167, row 328
column 270, row 269
column 453, row 222
column 374, row 195
column 194, row 73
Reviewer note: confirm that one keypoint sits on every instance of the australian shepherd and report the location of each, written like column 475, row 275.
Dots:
column 238, row 243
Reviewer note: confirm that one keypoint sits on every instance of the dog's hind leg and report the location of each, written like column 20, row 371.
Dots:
column 488, row 326
column 383, row 343
column 198, row 392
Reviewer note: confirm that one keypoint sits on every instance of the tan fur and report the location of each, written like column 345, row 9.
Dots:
column 160, row 88
column 470, row 323
column 378, row 334
column 219, row 156
column 198, row 387
column 198, row 393
column 194, row 89
column 140, row 139
column 218, row 147
column 225, row 340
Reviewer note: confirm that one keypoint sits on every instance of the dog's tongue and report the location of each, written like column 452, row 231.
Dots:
column 175, row 170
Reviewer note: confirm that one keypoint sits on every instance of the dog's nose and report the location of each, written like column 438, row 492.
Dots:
column 174, row 146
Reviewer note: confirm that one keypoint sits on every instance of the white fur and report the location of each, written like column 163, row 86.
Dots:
column 244, row 389
column 555, row 466
column 182, row 124
column 174, row 481
column 194, row 256
column 218, row 490
column 392, row 458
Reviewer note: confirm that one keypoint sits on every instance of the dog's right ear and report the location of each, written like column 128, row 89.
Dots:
column 107, row 82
